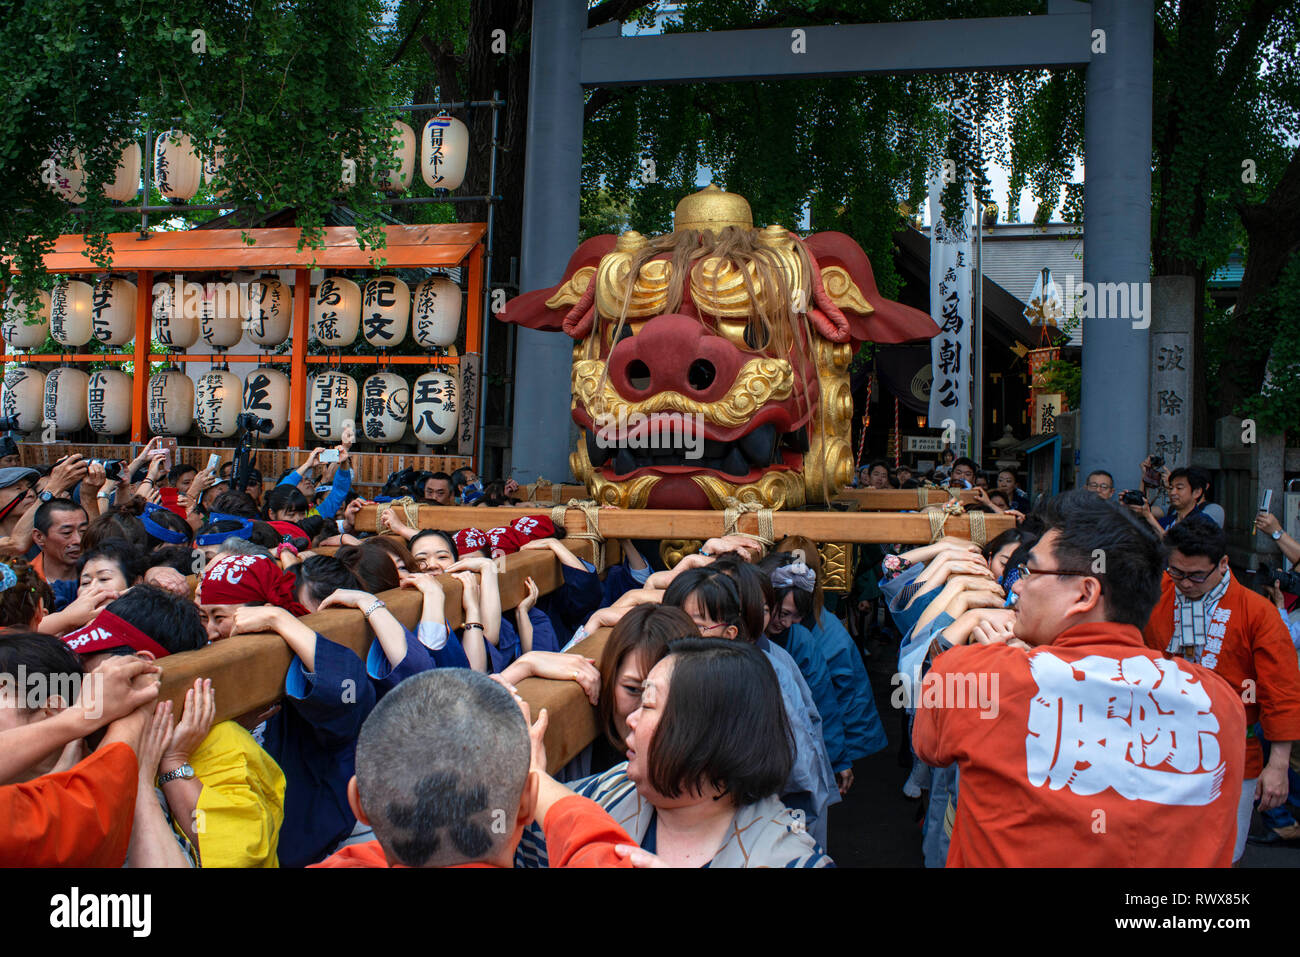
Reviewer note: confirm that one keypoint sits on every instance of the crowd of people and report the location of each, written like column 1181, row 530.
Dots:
column 1093, row 660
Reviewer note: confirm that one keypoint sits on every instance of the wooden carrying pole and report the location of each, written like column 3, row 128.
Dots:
column 899, row 499
column 248, row 671
column 875, row 528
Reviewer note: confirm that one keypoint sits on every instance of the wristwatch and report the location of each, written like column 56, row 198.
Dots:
column 378, row 604
column 1276, row 535
column 183, row 772
column 46, row 496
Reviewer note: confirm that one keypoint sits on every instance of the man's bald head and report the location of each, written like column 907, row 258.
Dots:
column 442, row 763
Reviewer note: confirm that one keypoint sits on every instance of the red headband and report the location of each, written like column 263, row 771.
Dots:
column 469, row 540
column 107, row 632
column 243, row 579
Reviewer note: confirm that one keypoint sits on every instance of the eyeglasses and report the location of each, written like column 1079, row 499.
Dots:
column 1098, row 487
column 1024, row 571
column 1177, row 574
column 705, row 629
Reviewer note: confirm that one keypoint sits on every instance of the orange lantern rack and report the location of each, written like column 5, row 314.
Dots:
column 441, row 246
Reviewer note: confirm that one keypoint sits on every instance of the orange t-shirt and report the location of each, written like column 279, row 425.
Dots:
column 81, row 817
column 1250, row 648
column 578, row 834
column 1093, row 751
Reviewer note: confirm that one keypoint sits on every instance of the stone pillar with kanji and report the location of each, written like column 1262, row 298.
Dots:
column 1169, row 416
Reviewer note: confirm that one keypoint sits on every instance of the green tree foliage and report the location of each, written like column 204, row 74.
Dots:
column 287, row 89
column 843, row 152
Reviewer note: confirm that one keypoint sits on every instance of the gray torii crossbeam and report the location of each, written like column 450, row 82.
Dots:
column 1112, row 38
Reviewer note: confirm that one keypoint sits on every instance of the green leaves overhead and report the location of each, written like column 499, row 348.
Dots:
column 286, row 88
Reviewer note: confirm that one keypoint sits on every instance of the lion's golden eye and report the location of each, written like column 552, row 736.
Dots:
column 744, row 334
column 629, row 329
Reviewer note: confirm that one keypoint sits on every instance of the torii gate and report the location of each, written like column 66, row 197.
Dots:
column 567, row 58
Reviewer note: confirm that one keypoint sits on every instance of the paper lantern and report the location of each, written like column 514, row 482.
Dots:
column 108, row 401
column 266, row 394
column 331, row 404
column 437, row 312
column 176, row 306
column 23, row 398
column 65, row 399
column 270, row 311
column 218, row 397
column 222, row 313
column 112, row 311
column 385, row 402
column 126, row 181
column 66, row 176
column 70, row 313
column 177, row 167
column 435, row 406
column 385, row 311
column 14, row 325
column 336, row 312
column 399, row 180
column 444, row 148
column 171, row 402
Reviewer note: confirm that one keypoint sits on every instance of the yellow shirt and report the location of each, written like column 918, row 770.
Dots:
column 241, row 806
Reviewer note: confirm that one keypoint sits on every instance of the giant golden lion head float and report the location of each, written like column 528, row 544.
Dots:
column 712, row 362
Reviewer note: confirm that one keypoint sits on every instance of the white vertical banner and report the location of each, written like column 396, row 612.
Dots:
column 951, row 261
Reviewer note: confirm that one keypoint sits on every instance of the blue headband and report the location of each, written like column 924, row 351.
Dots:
column 7, row 577
column 245, row 530
column 158, row 531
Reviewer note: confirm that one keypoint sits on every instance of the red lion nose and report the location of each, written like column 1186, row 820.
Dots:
column 674, row 353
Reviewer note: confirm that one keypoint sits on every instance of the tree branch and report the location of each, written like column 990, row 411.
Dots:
column 415, row 28
column 601, row 98
column 611, row 10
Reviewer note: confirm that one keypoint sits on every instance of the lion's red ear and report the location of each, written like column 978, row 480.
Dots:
column 890, row 321
column 545, row 309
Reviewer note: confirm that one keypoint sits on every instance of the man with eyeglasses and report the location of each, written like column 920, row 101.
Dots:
column 1094, row 750
column 1207, row 617
column 1102, row 483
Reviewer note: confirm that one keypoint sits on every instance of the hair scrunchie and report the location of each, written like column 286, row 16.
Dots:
column 796, row 575
column 7, row 577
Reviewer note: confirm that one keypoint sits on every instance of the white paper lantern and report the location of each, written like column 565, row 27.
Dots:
column 331, row 404
column 171, row 402
column 23, row 398
column 270, row 312
column 336, row 312
column 177, row 167
column 436, row 309
column 65, row 398
column 444, row 149
column 435, row 408
column 14, row 325
column 266, row 394
column 218, row 397
column 385, row 311
column 126, row 181
column 70, row 313
column 399, row 180
column 112, row 311
column 66, row 176
column 222, row 313
column 108, row 401
column 385, row 402
column 176, row 309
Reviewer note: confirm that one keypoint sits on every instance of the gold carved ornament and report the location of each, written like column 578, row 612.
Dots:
column 759, row 381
